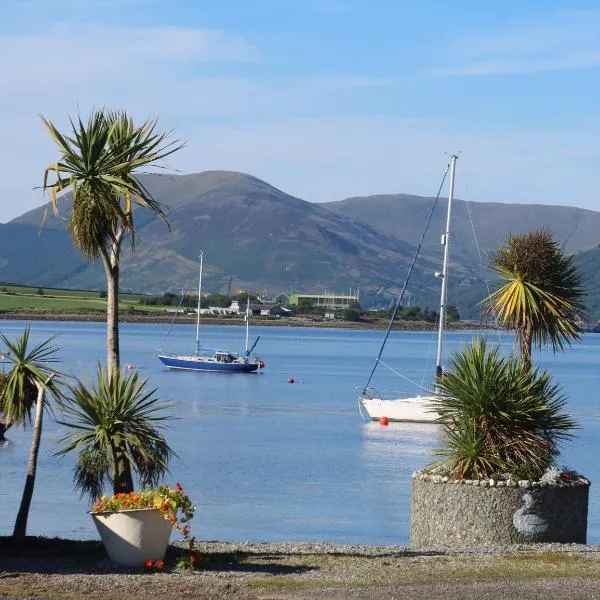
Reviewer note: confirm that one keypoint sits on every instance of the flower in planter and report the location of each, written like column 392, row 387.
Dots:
column 154, row 566
column 564, row 476
column 173, row 503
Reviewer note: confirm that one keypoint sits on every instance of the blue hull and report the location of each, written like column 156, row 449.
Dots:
column 200, row 364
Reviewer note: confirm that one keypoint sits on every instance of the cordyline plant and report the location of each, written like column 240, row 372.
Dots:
column 97, row 162
column 539, row 293
column 500, row 416
column 116, row 427
column 24, row 390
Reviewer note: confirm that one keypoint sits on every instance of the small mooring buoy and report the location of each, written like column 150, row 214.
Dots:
column 290, row 380
column 130, row 366
column 384, row 421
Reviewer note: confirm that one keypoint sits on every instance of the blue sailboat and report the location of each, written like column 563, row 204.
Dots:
column 211, row 359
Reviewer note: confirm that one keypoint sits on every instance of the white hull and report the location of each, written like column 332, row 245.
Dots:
column 419, row 409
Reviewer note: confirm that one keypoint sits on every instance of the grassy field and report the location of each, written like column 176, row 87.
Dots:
column 18, row 298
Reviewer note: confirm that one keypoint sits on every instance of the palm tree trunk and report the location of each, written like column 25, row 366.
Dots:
column 525, row 338
column 111, row 268
column 113, row 359
column 23, row 514
column 122, row 480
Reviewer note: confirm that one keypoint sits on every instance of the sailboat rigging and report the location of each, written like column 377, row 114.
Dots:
column 420, row 409
column 210, row 359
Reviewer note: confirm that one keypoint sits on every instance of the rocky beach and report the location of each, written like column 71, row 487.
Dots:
column 40, row 568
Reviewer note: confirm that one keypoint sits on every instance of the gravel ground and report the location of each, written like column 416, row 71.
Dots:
column 42, row 569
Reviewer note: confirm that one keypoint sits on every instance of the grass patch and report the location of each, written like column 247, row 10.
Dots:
column 397, row 570
column 16, row 298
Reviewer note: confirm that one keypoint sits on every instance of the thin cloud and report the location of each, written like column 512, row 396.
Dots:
column 92, row 50
column 581, row 60
column 564, row 41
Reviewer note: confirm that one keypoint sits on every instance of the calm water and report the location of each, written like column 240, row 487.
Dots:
column 266, row 460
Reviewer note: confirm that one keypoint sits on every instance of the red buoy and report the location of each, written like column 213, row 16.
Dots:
column 261, row 364
column 384, row 421
column 290, row 380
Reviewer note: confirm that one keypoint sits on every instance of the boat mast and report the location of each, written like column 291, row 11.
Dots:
column 199, row 300
column 247, row 315
column 444, row 273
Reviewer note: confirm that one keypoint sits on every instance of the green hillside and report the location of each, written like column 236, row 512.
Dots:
column 256, row 237
column 19, row 298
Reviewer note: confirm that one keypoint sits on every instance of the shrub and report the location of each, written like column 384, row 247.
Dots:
column 500, row 416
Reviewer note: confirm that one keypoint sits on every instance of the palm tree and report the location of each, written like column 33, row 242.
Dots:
column 116, row 428
column 540, row 292
column 500, row 416
column 98, row 162
column 25, row 386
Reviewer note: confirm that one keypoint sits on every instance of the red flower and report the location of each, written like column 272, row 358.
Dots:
column 148, row 564
column 159, row 564
column 179, row 488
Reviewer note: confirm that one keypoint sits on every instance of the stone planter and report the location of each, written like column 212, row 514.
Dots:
column 132, row 537
column 464, row 514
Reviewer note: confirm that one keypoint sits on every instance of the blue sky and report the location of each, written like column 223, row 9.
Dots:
column 324, row 99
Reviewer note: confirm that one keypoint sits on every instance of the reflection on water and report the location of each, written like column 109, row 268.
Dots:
column 398, row 440
column 268, row 460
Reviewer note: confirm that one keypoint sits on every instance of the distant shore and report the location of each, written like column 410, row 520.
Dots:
column 256, row 322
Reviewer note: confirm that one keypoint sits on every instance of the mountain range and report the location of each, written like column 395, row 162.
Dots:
column 266, row 241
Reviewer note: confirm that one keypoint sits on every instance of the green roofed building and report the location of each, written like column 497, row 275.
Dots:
column 326, row 300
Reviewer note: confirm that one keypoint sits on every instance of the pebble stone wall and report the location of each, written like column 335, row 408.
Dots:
column 460, row 514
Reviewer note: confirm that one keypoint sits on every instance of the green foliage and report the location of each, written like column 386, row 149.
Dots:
column 539, row 294
column 30, row 368
column 115, row 423
column 351, row 314
column 40, row 291
column 304, row 307
column 452, row 314
column 97, row 163
column 416, row 313
column 500, row 416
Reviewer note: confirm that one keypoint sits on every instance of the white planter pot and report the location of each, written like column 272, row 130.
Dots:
column 132, row 537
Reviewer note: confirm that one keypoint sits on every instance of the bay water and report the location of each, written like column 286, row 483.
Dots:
column 269, row 460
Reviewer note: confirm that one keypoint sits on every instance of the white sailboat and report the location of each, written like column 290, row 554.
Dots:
column 419, row 409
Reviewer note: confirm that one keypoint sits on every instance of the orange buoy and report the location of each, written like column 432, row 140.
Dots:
column 290, row 380
column 384, row 421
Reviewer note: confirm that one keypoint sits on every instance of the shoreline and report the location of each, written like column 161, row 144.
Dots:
column 256, row 322
column 70, row 570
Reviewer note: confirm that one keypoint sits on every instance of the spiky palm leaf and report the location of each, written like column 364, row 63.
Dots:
column 501, row 414
column 540, row 292
column 114, row 419
column 98, row 163
column 29, row 367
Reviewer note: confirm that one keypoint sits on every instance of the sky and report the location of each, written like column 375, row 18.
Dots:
column 324, row 99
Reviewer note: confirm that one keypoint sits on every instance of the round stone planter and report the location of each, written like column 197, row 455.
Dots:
column 464, row 514
column 132, row 537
